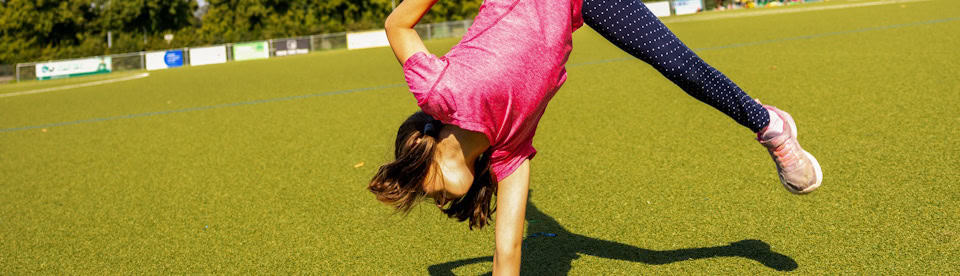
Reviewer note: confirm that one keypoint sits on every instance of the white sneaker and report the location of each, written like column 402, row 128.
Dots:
column 799, row 171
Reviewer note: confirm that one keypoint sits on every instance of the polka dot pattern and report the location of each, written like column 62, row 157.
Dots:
column 634, row 29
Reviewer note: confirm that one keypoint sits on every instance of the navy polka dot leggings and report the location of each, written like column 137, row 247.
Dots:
column 634, row 29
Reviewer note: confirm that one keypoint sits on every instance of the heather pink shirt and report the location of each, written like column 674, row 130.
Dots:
column 501, row 75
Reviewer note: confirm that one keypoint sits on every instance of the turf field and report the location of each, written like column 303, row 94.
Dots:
column 260, row 166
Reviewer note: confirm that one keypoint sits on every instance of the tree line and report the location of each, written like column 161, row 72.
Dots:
column 32, row 30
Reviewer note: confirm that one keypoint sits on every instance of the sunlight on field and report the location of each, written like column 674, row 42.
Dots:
column 251, row 167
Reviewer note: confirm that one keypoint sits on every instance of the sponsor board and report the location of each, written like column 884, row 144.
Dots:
column 369, row 39
column 73, row 68
column 251, row 50
column 288, row 47
column 660, row 9
column 681, row 7
column 208, row 55
column 164, row 59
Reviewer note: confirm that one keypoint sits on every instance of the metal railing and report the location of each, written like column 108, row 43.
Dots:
column 278, row 47
column 7, row 72
column 443, row 30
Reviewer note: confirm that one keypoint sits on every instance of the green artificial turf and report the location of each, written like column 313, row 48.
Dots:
column 252, row 167
column 58, row 84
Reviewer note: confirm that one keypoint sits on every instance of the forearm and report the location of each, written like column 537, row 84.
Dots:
column 509, row 239
column 511, row 211
column 399, row 28
column 408, row 13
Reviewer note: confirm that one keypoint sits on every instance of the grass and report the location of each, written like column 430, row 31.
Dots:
column 249, row 167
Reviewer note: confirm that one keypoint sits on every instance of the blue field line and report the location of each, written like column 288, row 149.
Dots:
column 347, row 91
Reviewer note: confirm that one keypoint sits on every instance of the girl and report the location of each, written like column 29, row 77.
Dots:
column 482, row 101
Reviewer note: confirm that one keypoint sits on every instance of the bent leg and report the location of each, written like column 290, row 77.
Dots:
column 634, row 29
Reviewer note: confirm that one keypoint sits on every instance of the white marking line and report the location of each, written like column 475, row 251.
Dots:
column 781, row 11
column 51, row 89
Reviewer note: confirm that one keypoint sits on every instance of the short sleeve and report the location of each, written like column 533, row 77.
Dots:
column 503, row 163
column 422, row 71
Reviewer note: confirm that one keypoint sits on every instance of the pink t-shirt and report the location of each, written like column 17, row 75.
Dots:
column 501, row 75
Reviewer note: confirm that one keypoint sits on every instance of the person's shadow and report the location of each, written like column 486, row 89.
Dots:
column 550, row 249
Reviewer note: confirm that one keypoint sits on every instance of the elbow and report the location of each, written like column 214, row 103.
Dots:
column 388, row 24
column 396, row 21
column 393, row 22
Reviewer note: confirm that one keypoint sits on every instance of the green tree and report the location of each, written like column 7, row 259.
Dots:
column 145, row 16
column 350, row 15
column 447, row 10
column 40, row 29
column 37, row 30
column 238, row 20
column 231, row 20
column 32, row 30
column 139, row 24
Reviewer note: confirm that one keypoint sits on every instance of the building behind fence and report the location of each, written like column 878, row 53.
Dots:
column 147, row 60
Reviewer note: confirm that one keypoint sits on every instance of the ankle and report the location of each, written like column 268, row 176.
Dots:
column 774, row 127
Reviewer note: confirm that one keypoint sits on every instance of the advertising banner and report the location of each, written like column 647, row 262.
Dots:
column 369, row 39
column 660, row 9
column 681, row 7
column 73, row 68
column 164, row 59
column 291, row 47
column 251, row 50
column 208, row 55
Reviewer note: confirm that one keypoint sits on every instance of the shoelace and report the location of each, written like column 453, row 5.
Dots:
column 787, row 156
column 786, row 152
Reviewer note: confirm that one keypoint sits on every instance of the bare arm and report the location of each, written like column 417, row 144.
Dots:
column 399, row 26
column 511, row 210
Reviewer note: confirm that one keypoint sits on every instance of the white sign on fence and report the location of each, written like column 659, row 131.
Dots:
column 369, row 39
column 251, row 50
column 681, row 7
column 73, row 68
column 208, row 55
column 660, row 9
column 164, row 59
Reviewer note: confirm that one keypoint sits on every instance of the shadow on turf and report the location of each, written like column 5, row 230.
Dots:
column 554, row 255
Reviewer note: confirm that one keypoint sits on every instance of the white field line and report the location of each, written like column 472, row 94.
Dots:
column 780, row 11
column 51, row 89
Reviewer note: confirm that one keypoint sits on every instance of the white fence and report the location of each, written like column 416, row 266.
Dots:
column 275, row 48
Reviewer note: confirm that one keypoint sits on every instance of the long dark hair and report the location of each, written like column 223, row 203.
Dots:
column 400, row 182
